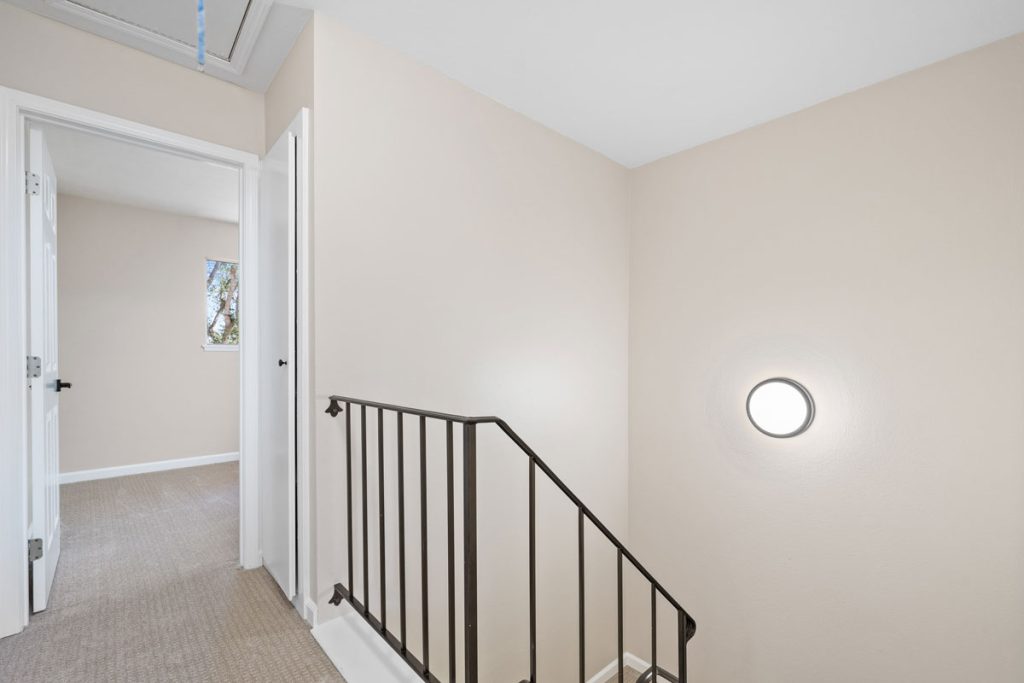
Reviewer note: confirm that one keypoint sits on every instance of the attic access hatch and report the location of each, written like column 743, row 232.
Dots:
column 177, row 20
column 167, row 28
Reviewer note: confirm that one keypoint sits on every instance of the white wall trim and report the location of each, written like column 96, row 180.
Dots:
column 611, row 672
column 359, row 653
column 310, row 613
column 13, row 384
column 251, row 554
column 220, row 347
column 18, row 108
column 145, row 467
column 305, row 576
column 361, row 656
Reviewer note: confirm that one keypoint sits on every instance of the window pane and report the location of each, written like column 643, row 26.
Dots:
column 221, row 302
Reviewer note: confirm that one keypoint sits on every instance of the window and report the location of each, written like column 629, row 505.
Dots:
column 221, row 304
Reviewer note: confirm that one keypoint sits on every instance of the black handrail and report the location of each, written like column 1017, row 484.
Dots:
column 686, row 625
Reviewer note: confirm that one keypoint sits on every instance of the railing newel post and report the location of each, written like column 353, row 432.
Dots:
column 682, row 646
column 450, row 485
column 621, row 659
column 654, row 634
column 582, row 598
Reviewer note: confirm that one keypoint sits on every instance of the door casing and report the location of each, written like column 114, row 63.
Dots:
column 297, row 133
column 17, row 109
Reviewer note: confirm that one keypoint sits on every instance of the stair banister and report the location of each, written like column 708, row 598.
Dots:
column 686, row 626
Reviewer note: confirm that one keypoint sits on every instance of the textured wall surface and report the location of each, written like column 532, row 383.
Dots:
column 871, row 248
column 132, row 315
column 48, row 58
column 469, row 260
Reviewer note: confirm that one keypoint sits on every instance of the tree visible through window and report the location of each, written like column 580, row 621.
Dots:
column 221, row 303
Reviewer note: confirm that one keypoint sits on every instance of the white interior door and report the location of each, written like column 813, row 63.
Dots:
column 44, row 432
column 277, row 466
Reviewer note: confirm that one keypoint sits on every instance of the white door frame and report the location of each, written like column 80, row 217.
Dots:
column 305, row 599
column 16, row 110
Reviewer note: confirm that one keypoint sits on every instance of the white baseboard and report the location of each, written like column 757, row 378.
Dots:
column 611, row 671
column 310, row 613
column 142, row 468
column 360, row 653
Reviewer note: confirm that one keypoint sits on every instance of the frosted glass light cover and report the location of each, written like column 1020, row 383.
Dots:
column 780, row 407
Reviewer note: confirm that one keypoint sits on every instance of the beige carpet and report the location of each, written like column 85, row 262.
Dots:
column 148, row 589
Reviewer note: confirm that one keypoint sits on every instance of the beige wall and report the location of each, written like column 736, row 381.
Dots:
column 42, row 56
column 292, row 87
column 469, row 260
column 131, row 319
column 872, row 248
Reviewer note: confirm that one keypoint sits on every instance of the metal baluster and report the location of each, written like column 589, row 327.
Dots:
column 348, row 469
column 469, row 552
column 621, row 667
column 533, row 571
column 401, row 527
column 423, row 547
column 682, row 646
column 583, row 635
column 654, row 634
column 366, row 528
column 382, row 527
column 451, row 550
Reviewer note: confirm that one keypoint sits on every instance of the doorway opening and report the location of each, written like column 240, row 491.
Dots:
column 134, row 318
column 138, row 406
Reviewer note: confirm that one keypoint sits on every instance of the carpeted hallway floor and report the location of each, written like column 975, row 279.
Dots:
column 148, row 589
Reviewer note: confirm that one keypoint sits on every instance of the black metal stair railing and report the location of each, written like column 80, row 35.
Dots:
column 685, row 625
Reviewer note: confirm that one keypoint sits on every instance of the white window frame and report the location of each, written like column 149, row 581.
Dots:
column 220, row 347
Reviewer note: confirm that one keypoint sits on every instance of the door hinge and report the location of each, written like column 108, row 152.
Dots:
column 32, row 183
column 35, row 549
column 35, row 366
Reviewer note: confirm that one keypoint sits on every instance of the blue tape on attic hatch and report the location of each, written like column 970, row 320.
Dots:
column 201, row 41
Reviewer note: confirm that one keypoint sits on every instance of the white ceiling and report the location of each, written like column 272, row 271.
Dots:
column 641, row 79
column 246, row 40
column 107, row 169
column 635, row 80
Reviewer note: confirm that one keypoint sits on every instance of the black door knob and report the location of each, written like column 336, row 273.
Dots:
column 63, row 385
column 281, row 362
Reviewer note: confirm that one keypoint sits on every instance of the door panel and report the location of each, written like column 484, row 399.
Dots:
column 277, row 362
column 44, row 401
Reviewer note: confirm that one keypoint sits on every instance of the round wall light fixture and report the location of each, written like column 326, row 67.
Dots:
column 780, row 407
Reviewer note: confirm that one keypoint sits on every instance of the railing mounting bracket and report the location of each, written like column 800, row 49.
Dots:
column 334, row 408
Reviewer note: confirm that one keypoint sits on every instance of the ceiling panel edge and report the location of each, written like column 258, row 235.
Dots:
column 97, row 23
